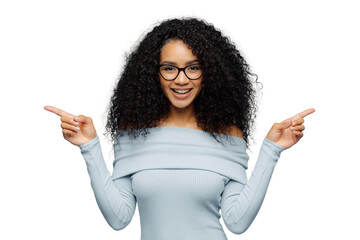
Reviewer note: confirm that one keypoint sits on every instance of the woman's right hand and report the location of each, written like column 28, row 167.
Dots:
column 77, row 131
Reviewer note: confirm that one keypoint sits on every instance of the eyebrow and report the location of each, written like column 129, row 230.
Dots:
column 192, row 61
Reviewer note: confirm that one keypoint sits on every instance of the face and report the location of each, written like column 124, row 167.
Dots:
column 176, row 53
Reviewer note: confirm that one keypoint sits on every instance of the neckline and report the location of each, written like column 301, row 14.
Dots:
column 200, row 131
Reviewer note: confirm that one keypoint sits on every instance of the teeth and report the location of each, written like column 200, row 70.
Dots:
column 182, row 91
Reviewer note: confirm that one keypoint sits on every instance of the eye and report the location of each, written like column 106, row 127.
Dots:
column 168, row 68
column 194, row 68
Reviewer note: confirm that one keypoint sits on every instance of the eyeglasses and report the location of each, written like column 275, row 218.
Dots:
column 170, row 72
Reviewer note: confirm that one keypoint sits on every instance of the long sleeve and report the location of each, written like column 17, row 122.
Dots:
column 114, row 197
column 240, row 203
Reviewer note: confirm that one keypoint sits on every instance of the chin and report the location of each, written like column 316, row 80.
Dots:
column 180, row 105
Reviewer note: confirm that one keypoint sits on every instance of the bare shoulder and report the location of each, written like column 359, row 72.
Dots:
column 235, row 131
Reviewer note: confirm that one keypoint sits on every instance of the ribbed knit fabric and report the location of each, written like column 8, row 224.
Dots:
column 180, row 178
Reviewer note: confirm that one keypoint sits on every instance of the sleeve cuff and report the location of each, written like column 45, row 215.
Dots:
column 273, row 146
column 87, row 146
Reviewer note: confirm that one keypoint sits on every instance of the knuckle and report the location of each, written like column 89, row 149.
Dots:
column 65, row 119
column 64, row 125
column 87, row 118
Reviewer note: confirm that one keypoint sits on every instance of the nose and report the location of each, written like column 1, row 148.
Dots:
column 181, row 79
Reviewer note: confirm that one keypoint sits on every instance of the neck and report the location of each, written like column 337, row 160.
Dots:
column 181, row 117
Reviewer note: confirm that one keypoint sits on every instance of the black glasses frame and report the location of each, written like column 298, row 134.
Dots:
column 180, row 69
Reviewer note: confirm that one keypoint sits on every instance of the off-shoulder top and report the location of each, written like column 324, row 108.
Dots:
column 181, row 178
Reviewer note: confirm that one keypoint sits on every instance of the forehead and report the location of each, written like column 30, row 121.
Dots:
column 176, row 51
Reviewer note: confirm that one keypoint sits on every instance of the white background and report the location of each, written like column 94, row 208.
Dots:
column 68, row 54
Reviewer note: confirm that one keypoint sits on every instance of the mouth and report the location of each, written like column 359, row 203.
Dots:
column 181, row 93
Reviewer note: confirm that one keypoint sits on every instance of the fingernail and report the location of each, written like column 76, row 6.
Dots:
column 293, row 123
column 77, row 118
column 77, row 128
column 76, row 123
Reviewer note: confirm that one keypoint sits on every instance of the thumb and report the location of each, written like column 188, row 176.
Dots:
column 82, row 119
column 285, row 124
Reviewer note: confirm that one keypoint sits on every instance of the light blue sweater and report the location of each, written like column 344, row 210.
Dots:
column 180, row 178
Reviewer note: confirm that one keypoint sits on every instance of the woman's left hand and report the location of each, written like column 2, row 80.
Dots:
column 289, row 132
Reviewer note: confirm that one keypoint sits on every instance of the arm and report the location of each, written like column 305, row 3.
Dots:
column 114, row 197
column 240, row 203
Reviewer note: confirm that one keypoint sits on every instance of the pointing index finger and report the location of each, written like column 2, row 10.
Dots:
column 306, row 112
column 300, row 115
column 58, row 111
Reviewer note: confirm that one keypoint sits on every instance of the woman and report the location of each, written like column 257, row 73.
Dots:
column 187, row 90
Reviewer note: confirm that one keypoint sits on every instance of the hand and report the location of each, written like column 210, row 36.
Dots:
column 77, row 132
column 287, row 134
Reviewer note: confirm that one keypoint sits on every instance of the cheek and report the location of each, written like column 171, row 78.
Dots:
column 162, row 83
column 164, row 86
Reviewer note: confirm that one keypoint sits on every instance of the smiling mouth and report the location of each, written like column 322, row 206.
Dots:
column 181, row 91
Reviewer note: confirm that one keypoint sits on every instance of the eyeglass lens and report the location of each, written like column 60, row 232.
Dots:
column 171, row 72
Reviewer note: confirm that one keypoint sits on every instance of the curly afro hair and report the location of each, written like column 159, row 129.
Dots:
column 227, row 97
